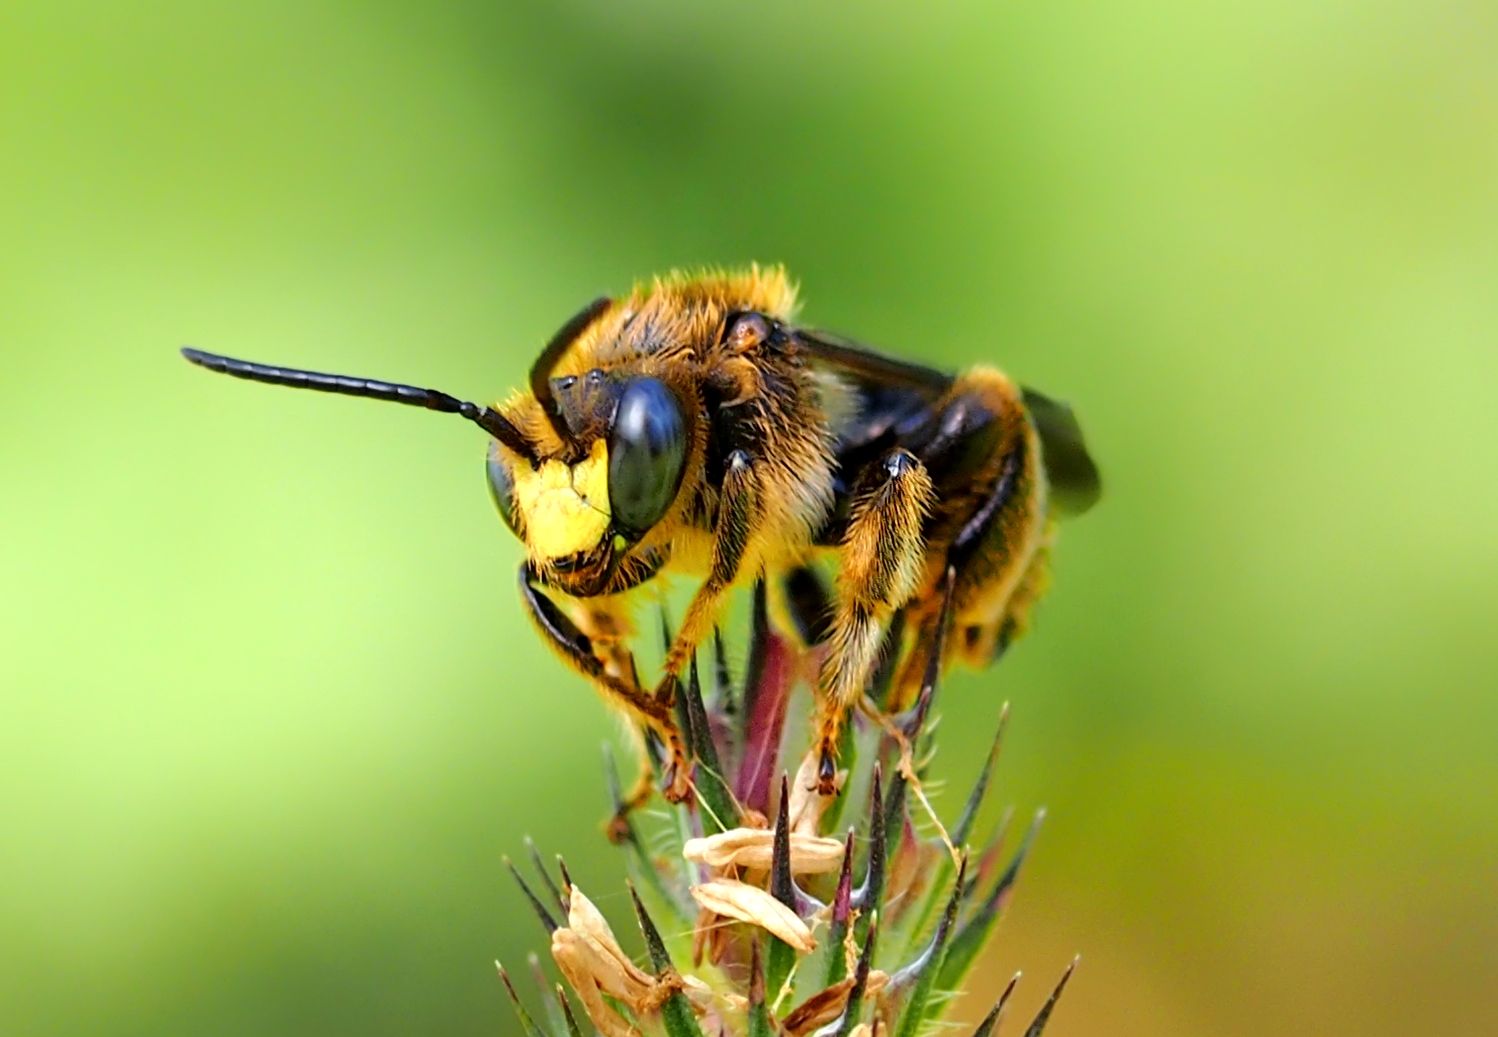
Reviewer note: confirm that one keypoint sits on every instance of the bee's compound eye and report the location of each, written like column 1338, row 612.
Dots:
column 502, row 489
column 647, row 447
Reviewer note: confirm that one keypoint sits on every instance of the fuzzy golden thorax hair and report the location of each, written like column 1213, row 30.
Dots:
column 673, row 329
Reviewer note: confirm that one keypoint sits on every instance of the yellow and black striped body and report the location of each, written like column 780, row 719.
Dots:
column 693, row 427
column 982, row 442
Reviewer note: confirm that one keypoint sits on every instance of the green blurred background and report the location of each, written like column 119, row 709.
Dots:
column 270, row 711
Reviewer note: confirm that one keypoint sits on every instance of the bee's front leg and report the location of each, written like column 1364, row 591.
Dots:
column 881, row 562
column 576, row 648
column 738, row 516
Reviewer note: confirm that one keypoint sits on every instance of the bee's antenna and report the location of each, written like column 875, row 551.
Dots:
column 487, row 418
column 547, row 362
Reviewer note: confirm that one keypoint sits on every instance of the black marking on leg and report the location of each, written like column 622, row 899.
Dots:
column 977, row 527
column 555, row 625
column 827, row 772
column 736, row 519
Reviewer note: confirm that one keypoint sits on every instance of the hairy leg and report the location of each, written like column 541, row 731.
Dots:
column 985, row 646
column 881, row 561
column 738, row 515
column 576, row 649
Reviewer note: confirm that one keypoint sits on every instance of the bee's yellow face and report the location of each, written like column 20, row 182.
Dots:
column 590, row 513
column 565, row 508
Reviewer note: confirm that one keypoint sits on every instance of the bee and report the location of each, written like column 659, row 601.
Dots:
column 692, row 427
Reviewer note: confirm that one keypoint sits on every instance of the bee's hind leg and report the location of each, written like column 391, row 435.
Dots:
column 882, row 558
column 982, row 646
column 576, row 648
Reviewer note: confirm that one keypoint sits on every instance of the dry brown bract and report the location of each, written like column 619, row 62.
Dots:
column 745, row 903
column 593, row 962
column 753, row 848
column 827, row 1005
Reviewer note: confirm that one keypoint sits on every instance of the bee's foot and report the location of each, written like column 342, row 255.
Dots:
column 617, row 827
column 676, row 783
column 665, row 692
column 827, row 771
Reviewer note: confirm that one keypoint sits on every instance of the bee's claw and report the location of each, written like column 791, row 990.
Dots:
column 675, row 785
column 617, row 828
column 827, row 771
column 676, row 782
column 665, row 692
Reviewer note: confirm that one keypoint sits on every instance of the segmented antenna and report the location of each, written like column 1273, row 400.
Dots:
column 547, row 362
column 486, row 418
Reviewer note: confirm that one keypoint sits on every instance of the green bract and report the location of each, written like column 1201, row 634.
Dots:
column 792, row 921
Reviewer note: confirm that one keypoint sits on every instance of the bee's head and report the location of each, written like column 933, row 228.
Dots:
column 606, row 473
column 625, row 447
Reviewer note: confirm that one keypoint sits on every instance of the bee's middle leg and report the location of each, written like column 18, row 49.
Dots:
column 738, row 516
column 577, row 649
column 881, row 563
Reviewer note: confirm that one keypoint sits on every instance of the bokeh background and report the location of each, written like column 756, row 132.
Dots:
column 270, row 711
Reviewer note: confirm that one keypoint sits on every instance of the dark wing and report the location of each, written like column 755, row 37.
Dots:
column 1075, row 483
column 870, row 368
column 895, row 399
column 894, row 407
